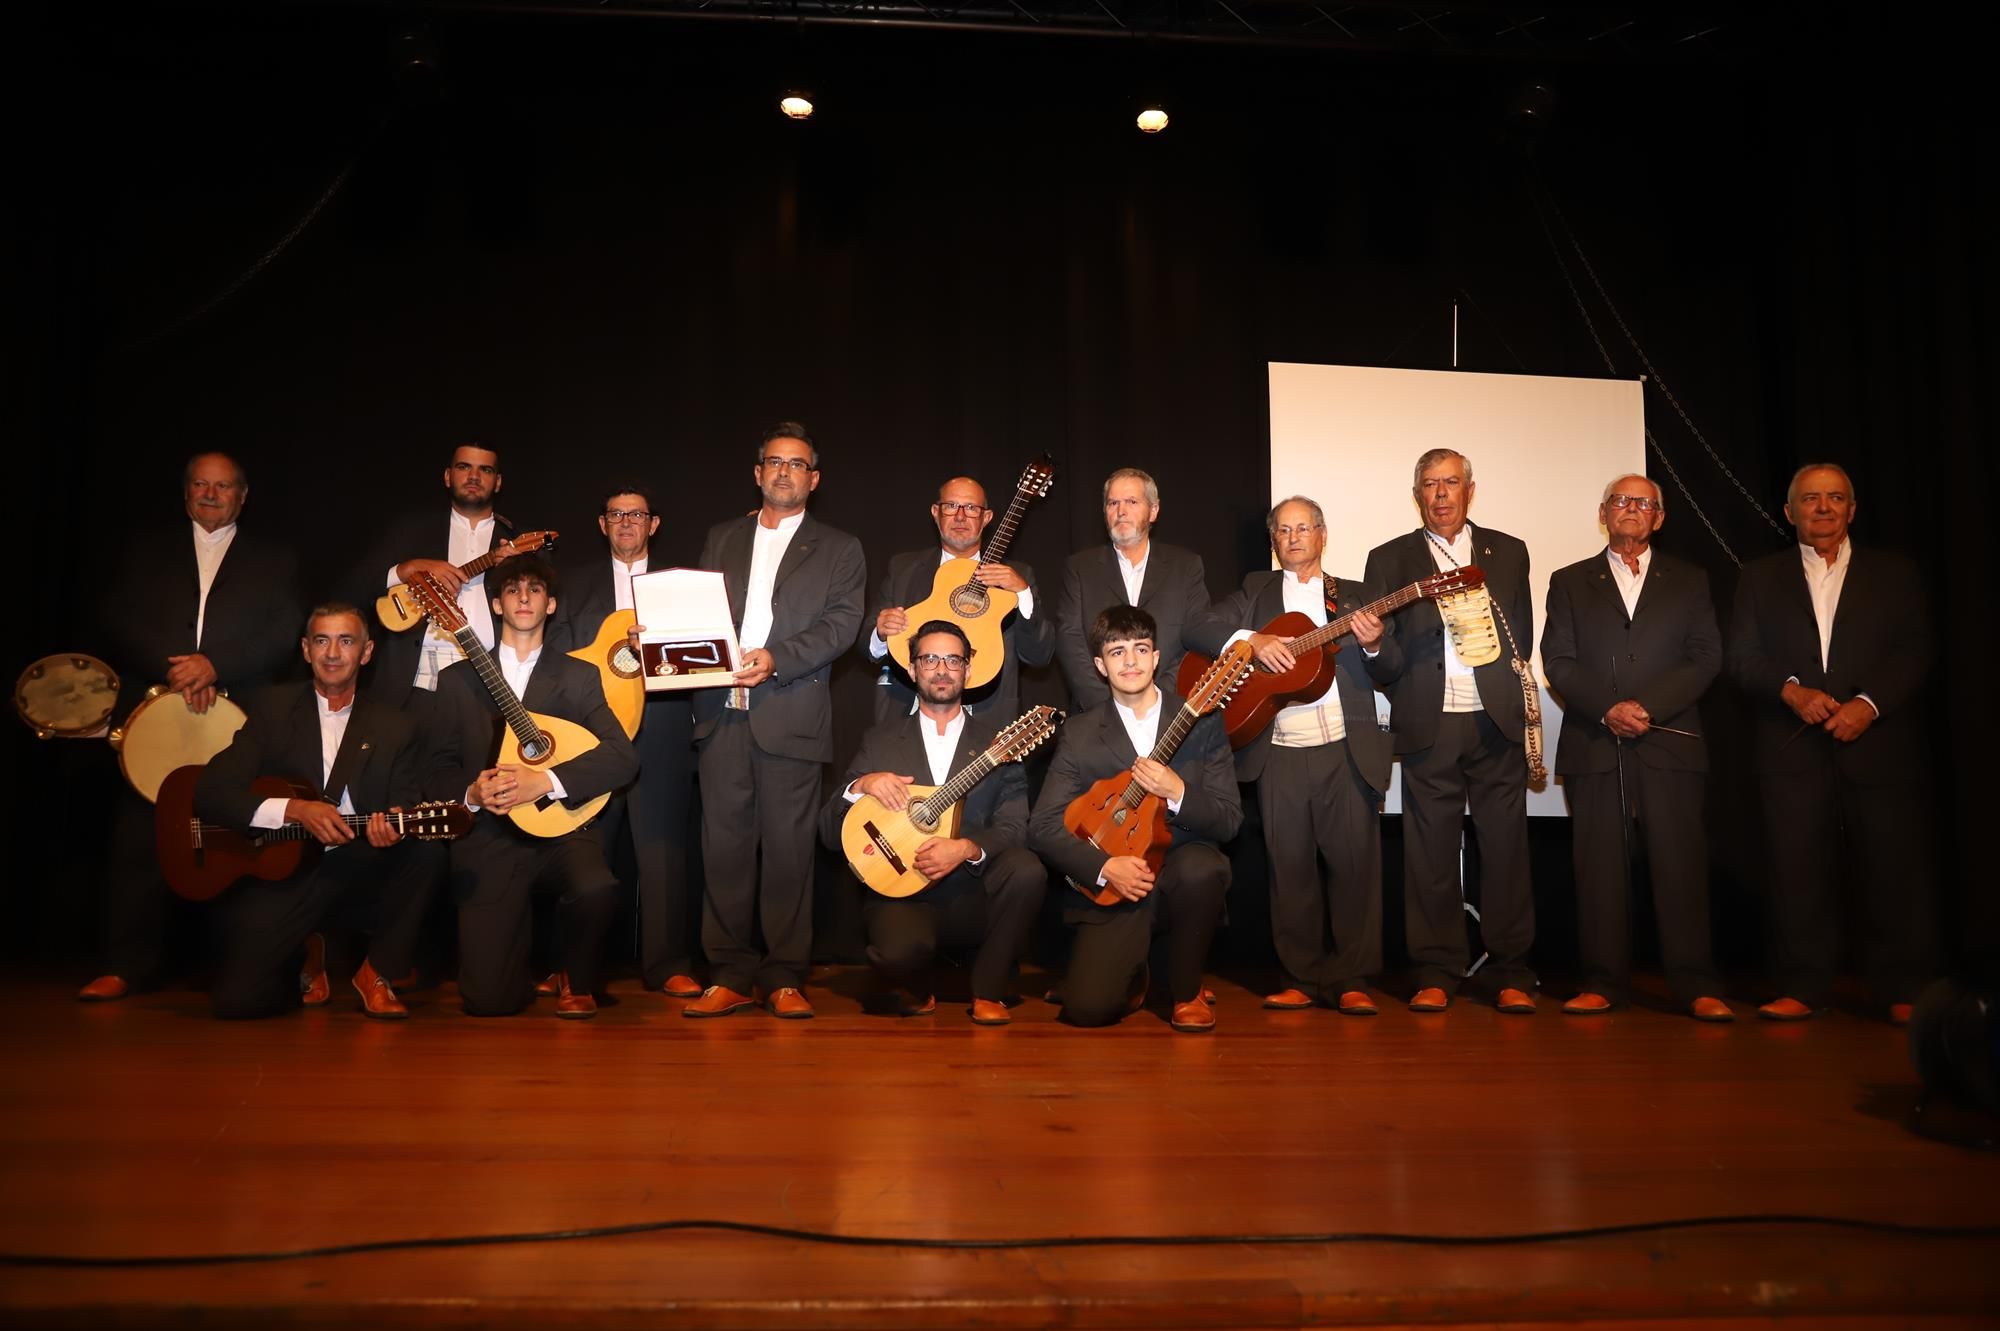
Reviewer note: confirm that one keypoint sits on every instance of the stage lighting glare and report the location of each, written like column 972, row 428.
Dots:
column 796, row 105
column 1152, row 120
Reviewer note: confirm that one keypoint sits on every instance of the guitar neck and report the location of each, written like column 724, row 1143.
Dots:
column 1163, row 751
column 1320, row 637
column 1003, row 530
column 526, row 732
column 474, row 567
column 356, row 823
column 951, row 792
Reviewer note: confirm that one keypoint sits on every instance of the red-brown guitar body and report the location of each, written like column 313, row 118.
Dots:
column 1100, row 817
column 200, row 861
column 1262, row 694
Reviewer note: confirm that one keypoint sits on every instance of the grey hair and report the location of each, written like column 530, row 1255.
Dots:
column 1271, row 518
column 1659, row 495
column 789, row 430
column 1793, row 488
column 242, row 476
column 1432, row 458
column 1152, row 486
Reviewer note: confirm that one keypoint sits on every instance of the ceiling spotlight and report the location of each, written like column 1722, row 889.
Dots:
column 1152, row 120
column 797, row 105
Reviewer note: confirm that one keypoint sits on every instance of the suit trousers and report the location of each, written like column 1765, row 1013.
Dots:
column 1819, row 820
column 264, row 925
column 656, row 808
column 496, row 914
column 1665, row 808
column 1469, row 761
column 991, row 911
column 757, row 839
column 1323, row 829
column 1112, row 942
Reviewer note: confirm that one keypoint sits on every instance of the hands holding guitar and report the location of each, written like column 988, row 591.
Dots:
column 1275, row 654
column 324, row 822
column 1129, row 876
column 502, row 788
column 445, row 572
column 1156, row 778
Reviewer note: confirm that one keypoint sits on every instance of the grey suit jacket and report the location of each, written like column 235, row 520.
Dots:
column 1260, row 600
column 816, row 604
column 1416, row 699
column 994, row 815
column 1175, row 594
column 909, row 580
column 1665, row 656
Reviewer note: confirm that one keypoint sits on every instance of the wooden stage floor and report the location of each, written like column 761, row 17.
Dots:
column 144, row 1128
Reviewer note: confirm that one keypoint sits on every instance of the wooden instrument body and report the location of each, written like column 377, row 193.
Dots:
column 163, row 734
column 66, row 696
column 881, row 844
column 1100, row 817
column 199, row 867
column 610, row 652
column 1263, row 693
column 551, row 817
column 979, row 610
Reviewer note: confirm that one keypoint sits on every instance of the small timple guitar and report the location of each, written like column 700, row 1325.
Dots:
column 200, row 860
column 530, row 739
column 976, row 608
column 881, row 844
column 398, row 608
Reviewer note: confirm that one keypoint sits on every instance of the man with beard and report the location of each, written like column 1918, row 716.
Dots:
column 1029, row 635
column 354, row 756
column 1165, row 581
column 207, row 608
column 795, row 589
column 986, row 887
column 1832, row 643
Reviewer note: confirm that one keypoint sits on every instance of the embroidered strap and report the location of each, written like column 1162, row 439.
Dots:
column 1531, row 695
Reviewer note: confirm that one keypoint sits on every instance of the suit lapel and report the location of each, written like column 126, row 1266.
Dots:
column 356, row 745
column 542, row 691
column 1605, row 584
column 1658, row 586
column 736, row 565
column 1270, row 602
column 1112, row 726
column 796, row 551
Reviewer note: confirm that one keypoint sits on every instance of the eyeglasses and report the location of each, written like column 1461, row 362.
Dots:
column 626, row 515
column 1286, row 533
column 789, row 464
column 931, row 661
column 1644, row 503
column 948, row 508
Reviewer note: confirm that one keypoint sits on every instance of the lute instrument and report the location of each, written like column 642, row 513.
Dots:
column 399, row 609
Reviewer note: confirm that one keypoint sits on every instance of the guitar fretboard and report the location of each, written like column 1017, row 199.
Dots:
column 1320, row 637
column 1184, row 720
column 526, row 733
column 356, row 822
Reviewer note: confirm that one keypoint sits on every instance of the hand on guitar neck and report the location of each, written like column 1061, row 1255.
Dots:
column 328, row 827
column 1274, row 653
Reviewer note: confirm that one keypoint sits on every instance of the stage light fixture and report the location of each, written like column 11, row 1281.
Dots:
column 1152, row 119
column 796, row 104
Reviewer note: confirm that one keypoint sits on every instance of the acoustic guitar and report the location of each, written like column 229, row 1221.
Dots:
column 1117, row 815
column 201, row 860
column 1264, row 694
column 881, row 843
column 977, row 609
column 398, row 608
column 618, row 666
column 530, row 738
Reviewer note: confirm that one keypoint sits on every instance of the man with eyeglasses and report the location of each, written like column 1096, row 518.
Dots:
column 1029, row 636
column 985, row 885
column 1630, row 645
column 657, row 807
column 796, row 588
column 1321, row 768
column 1460, row 732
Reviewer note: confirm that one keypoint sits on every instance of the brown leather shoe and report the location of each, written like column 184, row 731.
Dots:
column 551, row 986
column 1195, row 1018
column 378, row 999
column 681, row 986
column 1357, row 1003
column 1208, row 997
column 1587, row 1005
column 104, row 989
column 716, row 1001
column 907, row 1003
column 990, row 1012
column 1515, row 1002
column 1288, row 1000
column 1899, row 1014
column 314, row 990
column 573, row 1004
column 792, row 1005
column 1429, row 1000
column 1784, row 1009
column 1710, row 1009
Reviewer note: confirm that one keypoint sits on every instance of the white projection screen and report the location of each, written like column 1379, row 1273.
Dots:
column 1542, row 449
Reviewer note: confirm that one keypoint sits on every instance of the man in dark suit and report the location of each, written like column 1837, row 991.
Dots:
column 1107, row 975
column 1630, row 644
column 985, row 885
column 207, row 608
column 1321, row 768
column 496, row 870
column 657, row 806
column 962, row 517
column 1165, row 581
column 1833, row 643
column 353, row 756
column 795, row 588
column 1459, row 731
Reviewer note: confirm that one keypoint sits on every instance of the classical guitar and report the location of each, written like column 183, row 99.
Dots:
column 530, row 738
column 618, row 666
column 881, row 844
column 1261, row 696
column 1117, row 815
column 976, row 608
column 200, row 860
column 399, row 609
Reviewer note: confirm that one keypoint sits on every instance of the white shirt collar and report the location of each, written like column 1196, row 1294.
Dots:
column 459, row 519
column 216, row 537
column 1812, row 560
column 784, row 524
column 1618, row 564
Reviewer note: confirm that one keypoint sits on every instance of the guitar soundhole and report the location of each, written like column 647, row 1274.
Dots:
column 921, row 823
column 623, row 663
column 970, row 601
column 1118, row 817
column 535, row 750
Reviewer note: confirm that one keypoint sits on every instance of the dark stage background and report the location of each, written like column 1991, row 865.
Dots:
column 593, row 242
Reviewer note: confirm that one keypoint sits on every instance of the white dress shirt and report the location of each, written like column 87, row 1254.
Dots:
column 466, row 542
column 270, row 814
column 209, row 549
column 1133, row 574
column 877, row 649
column 1461, row 689
column 1824, row 582
column 767, row 552
column 1630, row 584
column 622, row 574
column 1144, row 731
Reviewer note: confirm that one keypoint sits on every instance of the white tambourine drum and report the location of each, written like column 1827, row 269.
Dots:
column 67, row 696
column 162, row 734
